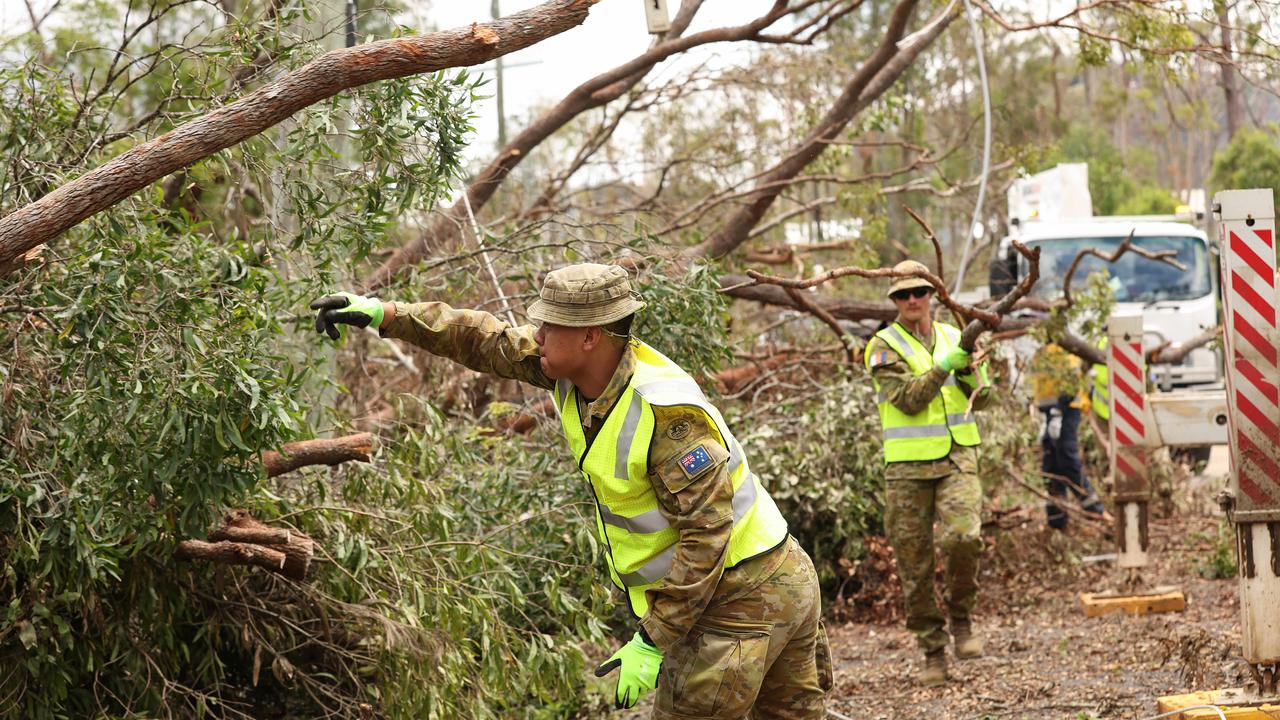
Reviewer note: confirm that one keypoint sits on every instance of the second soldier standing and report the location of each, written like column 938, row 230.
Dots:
column 924, row 386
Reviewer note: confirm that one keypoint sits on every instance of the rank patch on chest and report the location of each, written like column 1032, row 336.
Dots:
column 695, row 461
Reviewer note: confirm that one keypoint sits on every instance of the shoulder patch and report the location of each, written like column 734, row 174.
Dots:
column 695, row 461
column 881, row 358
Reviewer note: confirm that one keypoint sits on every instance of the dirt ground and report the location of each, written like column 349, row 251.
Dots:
column 1044, row 658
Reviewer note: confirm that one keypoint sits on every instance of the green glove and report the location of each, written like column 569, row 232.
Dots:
column 953, row 359
column 640, row 663
column 347, row 309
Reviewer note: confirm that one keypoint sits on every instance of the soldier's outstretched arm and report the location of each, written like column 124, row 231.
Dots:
column 909, row 393
column 699, row 505
column 473, row 338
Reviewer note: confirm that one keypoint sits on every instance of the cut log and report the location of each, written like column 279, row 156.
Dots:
column 321, row 451
column 232, row 553
column 242, row 540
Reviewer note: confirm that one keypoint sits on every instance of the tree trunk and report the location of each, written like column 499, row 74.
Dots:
column 876, row 76
column 328, row 75
column 1230, row 77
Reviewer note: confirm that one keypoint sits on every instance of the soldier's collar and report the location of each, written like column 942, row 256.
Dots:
column 600, row 407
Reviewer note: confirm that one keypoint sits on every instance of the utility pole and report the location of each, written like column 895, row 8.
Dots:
column 352, row 9
column 497, row 71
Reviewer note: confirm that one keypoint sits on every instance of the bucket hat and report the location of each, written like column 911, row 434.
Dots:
column 585, row 295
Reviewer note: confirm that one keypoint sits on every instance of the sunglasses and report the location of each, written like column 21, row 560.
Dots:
column 916, row 292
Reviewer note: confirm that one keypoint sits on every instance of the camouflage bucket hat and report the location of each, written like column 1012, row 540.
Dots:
column 584, row 295
column 908, row 282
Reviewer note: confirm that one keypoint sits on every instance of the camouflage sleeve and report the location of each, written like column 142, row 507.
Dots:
column 699, row 505
column 473, row 338
column 909, row 393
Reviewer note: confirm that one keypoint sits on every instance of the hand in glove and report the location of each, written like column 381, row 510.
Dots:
column 639, row 663
column 953, row 359
column 347, row 309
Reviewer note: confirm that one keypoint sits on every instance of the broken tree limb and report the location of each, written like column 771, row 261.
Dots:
column 257, row 536
column 1164, row 256
column 443, row 229
column 242, row 540
column 320, row 451
column 744, row 288
column 43, row 220
column 231, row 553
column 1162, row 355
column 802, row 299
column 876, row 75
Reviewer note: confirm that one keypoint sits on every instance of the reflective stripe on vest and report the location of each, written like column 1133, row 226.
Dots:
column 927, row 435
column 640, row 543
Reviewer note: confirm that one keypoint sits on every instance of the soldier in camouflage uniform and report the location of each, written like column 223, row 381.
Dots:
column 730, row 611
column 924, row 386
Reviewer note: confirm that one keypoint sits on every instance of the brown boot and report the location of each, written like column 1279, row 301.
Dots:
column 968, row 644
column 934, row 672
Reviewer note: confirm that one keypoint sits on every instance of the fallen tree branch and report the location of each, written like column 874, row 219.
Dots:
column 320, row 451
column 43, row 220
column 243, row 540
column 1164, row 256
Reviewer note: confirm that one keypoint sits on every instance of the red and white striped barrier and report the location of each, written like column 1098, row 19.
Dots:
column 1126, row 372
column 1246, row 232
column 1249, row 306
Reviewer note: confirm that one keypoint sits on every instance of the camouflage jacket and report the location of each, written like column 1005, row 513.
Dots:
column 912, row 394
column 701, row 511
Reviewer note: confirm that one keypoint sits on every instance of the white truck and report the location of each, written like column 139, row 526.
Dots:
column 1176, row 305
column 1052, row 211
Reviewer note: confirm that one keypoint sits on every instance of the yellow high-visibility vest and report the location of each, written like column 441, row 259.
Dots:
column 1100, row 390
column 927, row 435
column 639, row 542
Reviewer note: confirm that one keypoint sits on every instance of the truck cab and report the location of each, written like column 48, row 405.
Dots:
column 1176, row 305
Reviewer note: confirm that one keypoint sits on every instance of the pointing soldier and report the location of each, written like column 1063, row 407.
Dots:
column 727, row 603
column 925, row 384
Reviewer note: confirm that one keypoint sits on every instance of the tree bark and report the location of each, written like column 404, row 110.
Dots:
column 243, row 540
column 231, row 553
column 876, row 76
column 328, row 75
column 1230, row 77
column 854, row 310
column 321, row 451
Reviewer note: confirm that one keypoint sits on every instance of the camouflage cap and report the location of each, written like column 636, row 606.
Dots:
column 908, row 282
column 584, row 295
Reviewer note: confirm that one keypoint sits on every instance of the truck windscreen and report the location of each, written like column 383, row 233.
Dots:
column 1135, row 278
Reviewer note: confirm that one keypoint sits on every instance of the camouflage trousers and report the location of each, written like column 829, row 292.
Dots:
column 911, row 507
column 762, row 655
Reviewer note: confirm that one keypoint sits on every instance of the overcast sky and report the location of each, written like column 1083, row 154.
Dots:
column 614, row 32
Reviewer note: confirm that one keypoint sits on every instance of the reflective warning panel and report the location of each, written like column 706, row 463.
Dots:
column 1246, row 232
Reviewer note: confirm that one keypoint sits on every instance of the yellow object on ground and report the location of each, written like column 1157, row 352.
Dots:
column 1158, row 601
column 1234, row 704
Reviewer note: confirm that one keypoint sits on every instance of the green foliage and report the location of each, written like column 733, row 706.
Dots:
column 1109, row 183
column 1148, row 200
column 1220, row 562
column 1251, row 160
column 150, row 361
column 480, row 553
column 685, row 317
column 824, row 467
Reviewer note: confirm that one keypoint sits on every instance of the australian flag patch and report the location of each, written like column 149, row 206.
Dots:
column 695, row 461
